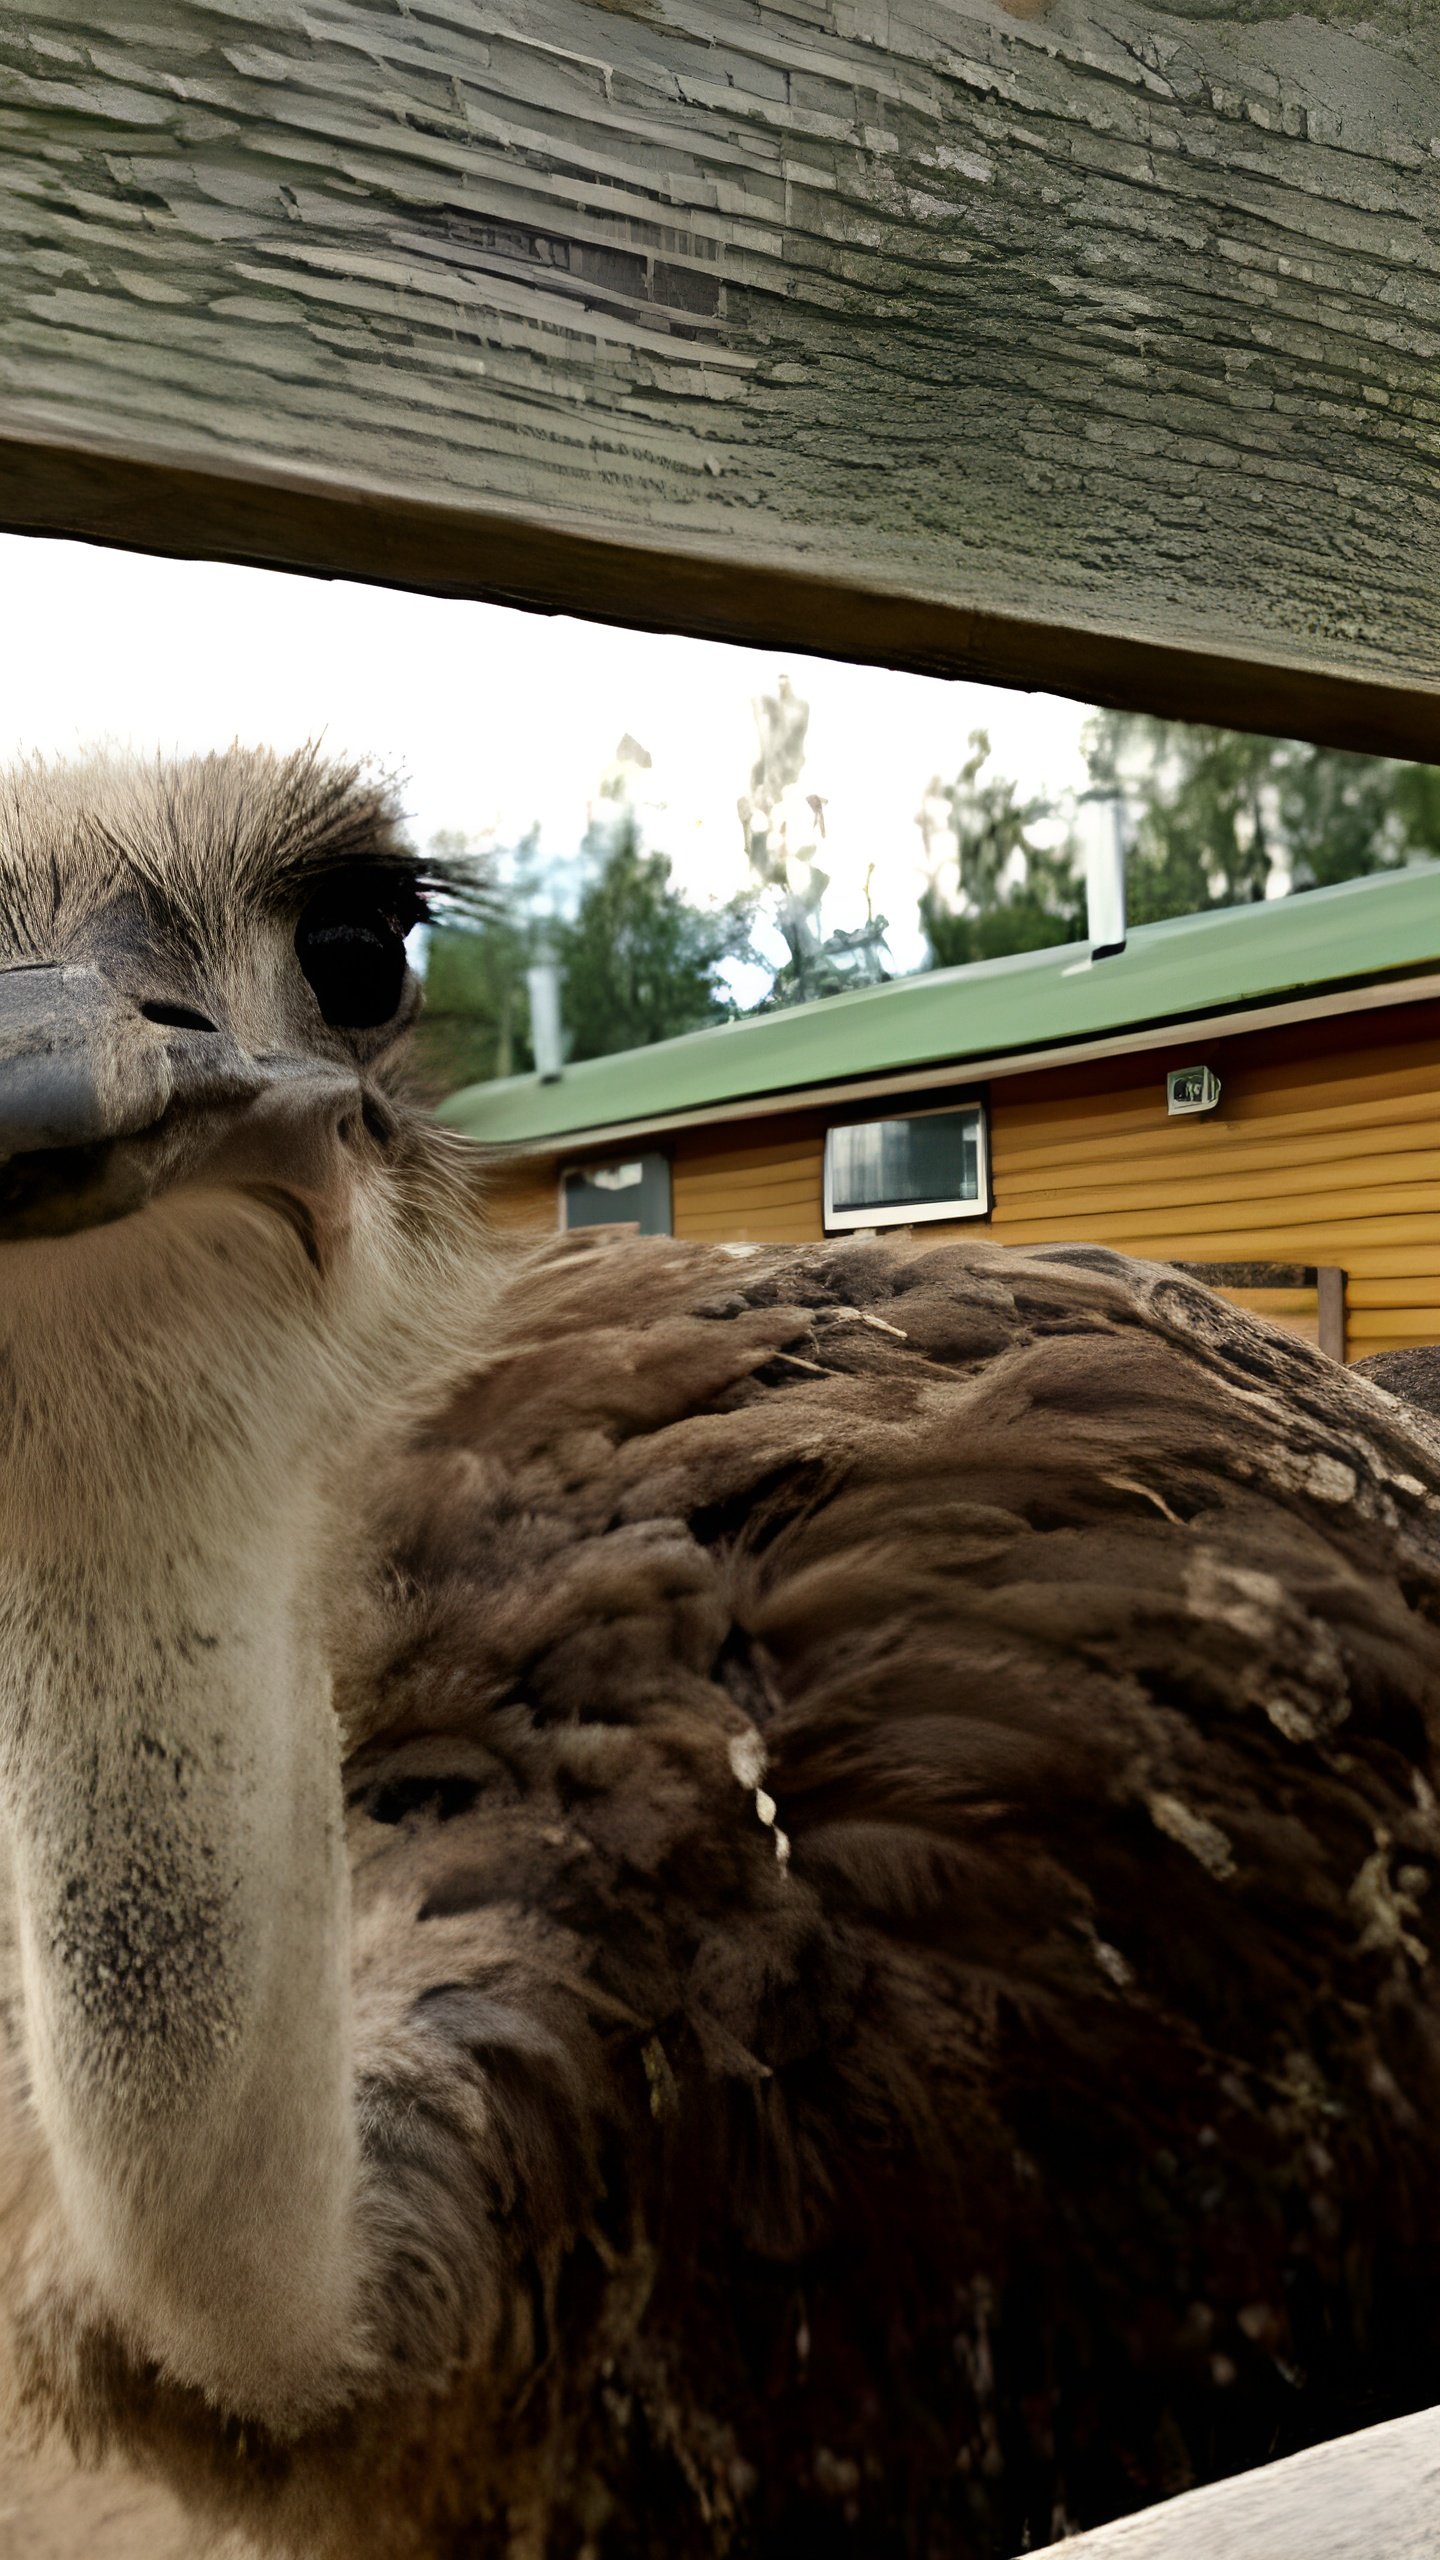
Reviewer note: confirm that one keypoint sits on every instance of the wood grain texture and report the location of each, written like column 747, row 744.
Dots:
column 1081, row 342
column 1372, row 2496
column 760, row 1184
column 50, row 2511
column 1323, row 1153
column 524, row 1194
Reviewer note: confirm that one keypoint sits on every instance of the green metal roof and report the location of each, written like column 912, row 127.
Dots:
column 1233, row 957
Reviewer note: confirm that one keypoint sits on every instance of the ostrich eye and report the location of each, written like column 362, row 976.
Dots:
column 354, row 959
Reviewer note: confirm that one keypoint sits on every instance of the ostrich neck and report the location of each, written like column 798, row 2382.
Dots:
column 170, row 1783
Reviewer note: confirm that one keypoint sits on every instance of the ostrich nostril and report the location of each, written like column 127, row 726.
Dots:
column 178, row 1017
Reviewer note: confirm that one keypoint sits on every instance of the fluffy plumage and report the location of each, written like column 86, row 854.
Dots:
column 208, row 845
column 892, row 1810
column 1051, row 2128
column 1413, row 1374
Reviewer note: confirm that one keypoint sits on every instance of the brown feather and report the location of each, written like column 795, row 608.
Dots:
column 1051, row 2125
column 1053, row 2129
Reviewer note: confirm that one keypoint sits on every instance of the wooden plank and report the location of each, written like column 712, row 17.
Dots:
column 739, row 1213
column 1283, row 1306
column 523, row 1194
column 1244, row 1218
column 1332, row 1313
column 1371, row 2496
column 1417, row 1262
column 1412, row 1292
column 1319, row 1239
column 767, row 1192
column 775, row 1139
column 1276, row 1066
column 748, row 1164
column 1327, row 1081
column 1081, row 343
column 1397, row 1324
column 742, row 1217
column 744, row 1199
column 1396, row 1126
column 1156, row 1173
column 1182, row 1244
column 1149, row 1188
column 768, row 1182
column 1407, row 1150
column 1341, row 1101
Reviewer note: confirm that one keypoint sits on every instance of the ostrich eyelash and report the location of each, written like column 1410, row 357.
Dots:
column 414, row 892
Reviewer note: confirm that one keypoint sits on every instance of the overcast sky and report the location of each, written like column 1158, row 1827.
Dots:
column 498, row 720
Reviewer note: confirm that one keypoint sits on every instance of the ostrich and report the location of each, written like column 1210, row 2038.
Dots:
column 657, row 1901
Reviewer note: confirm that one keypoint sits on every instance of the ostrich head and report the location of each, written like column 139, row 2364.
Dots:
column 202, row 980
column 210, row 1204
column 228, row 1259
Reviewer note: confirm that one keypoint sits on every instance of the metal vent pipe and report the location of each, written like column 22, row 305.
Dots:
column 547, row 1037
column 1105, row 880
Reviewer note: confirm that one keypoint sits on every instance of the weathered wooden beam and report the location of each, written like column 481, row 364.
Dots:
column 1078, row 343
column 1372, row 2496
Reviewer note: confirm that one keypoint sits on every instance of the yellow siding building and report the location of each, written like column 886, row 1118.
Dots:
column 1310, row 1187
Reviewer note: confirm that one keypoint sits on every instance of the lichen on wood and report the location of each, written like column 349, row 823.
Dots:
column 1075, row 342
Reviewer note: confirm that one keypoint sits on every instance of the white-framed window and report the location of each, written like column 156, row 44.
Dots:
column 633, row 1192
column 908, row 1168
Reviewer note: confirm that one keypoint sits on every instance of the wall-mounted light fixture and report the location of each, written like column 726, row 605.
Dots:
column 1190, row 1089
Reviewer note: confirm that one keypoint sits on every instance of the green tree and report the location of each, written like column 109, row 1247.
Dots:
column 1217, row 814
column 783, row 828
column 476, row 1022
column 639, row 962
column 1343, row 815
column 1014, row 892
column 1217, row 818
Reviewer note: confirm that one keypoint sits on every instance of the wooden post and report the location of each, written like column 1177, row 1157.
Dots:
column 1074, row 343
column 1330, row 1290
column 1372, row 2496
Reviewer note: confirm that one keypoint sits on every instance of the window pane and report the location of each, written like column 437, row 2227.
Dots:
column 633, row 1193
column 893, row 1164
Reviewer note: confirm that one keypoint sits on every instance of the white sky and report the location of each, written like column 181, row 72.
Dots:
column 497, row 719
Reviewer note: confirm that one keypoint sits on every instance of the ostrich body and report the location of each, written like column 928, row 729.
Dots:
column 660, row 1902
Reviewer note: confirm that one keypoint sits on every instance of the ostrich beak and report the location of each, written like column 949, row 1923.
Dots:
column 66, row 1079
column 104, row 1104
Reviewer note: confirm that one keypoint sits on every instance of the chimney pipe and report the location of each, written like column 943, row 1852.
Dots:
column 1105, row 884
column 546, row 1038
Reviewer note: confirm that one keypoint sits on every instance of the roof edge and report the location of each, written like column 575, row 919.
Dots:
column 1369, row 996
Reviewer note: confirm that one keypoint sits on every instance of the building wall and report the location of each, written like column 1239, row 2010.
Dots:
column 1325, row 1149
column 752, row 1182
column 522, row 1193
